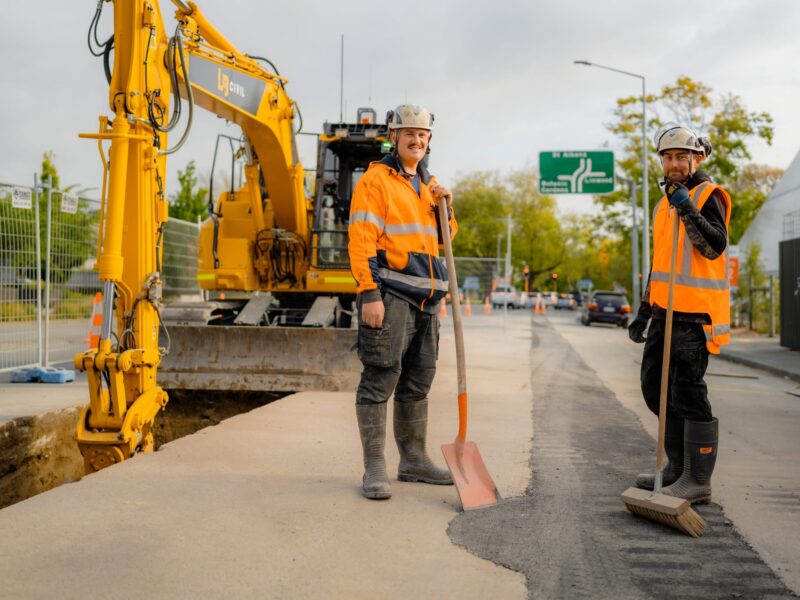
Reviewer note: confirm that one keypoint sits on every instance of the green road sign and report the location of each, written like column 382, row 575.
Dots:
column 576, row 172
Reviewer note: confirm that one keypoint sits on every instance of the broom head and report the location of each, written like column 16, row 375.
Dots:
column 668, row 510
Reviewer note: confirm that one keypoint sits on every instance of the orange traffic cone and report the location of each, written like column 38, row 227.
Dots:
column 443, row 309
column 487, row 308
column 95, row 321
column 468, row 308
column 538, row 309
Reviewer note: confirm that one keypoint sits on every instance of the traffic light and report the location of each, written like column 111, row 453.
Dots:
column 555, row 282
column 526, row 277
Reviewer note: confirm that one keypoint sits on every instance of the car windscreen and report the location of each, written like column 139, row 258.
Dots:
column 615, row 299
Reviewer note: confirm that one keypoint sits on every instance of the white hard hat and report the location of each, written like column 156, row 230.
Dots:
column 674, row 136
column 409, row 115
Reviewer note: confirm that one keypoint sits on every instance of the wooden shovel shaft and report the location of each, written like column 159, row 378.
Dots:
column 662, row 406
column 456, row 304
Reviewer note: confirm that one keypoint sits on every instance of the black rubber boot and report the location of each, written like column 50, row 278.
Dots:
column 700, row 455
column 673, row 444
column 372, row 426
column 410, row 428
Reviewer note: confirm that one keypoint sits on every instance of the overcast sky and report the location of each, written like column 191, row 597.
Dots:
column 499, row 76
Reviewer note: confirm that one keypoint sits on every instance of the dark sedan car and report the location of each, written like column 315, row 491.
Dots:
column 606, row 307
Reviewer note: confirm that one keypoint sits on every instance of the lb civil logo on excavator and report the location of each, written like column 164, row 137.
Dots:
column 228, row 87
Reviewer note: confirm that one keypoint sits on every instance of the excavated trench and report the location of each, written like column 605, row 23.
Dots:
column 39, row 453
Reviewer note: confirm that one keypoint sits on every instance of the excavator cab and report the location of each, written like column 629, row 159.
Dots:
column 344, row 153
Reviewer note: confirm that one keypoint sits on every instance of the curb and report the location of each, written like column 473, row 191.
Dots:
column 734, row 358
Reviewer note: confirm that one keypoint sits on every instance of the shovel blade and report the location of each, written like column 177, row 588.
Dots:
column 475, row 486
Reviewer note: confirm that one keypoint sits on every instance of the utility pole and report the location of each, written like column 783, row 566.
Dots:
column 635, row 287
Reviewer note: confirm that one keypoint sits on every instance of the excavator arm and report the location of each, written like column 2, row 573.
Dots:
column 150, row 70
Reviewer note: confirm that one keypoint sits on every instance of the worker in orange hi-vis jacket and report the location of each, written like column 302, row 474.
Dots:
column 702, row 311
column 395, row 237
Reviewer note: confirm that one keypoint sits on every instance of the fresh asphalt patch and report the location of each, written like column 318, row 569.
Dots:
column 570, row 534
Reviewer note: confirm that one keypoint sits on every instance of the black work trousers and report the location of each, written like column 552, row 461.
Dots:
column 398, row 357
column 687, row 394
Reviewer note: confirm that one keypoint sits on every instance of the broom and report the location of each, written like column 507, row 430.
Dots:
column 669, row 510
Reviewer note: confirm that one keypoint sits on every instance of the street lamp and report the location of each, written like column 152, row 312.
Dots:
column 634, row 247
column 645, row 200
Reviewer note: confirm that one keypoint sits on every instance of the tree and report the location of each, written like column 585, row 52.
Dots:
column 191, row 201
column 17, row 237
column 727, row 122
column 484, row 199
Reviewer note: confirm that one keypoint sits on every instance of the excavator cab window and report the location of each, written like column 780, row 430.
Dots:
column 343, row 156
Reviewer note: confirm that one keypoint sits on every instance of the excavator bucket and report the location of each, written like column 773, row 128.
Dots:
column 280, row 359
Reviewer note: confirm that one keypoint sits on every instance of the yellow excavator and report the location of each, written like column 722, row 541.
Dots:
column 273, row 264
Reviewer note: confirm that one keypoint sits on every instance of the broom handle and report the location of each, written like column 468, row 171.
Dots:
column 452, row 280
column 662, row 405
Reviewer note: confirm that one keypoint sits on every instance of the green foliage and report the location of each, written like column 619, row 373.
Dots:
column 72, row 236
column 483, row 201
column 752, row 297
column 727, row 122
column 191, row 201
column 541, row 239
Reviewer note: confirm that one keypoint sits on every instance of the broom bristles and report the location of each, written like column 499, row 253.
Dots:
column 668, row 510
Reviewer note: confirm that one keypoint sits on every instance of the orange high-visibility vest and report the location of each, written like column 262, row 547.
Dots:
column 701, row 285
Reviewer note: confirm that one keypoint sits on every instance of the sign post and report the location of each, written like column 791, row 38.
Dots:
column 576, row 172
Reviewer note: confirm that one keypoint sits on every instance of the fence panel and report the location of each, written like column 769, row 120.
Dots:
column 70, row 279
column 180, row 259
column 20, row 280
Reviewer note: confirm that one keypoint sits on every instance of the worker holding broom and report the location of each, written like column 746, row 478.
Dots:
column 701, row 311
column 394, row 256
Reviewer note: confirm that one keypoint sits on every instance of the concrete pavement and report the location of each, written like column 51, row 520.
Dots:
column 762, row 352
column 267, row 503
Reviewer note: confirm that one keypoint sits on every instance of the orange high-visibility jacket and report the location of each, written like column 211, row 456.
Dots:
column 395, row 236
column 701, row 284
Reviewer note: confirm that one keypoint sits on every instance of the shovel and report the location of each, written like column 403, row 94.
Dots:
column 475, row 486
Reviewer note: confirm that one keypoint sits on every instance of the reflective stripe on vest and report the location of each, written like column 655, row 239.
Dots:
column 393, row 228
column 423, row 283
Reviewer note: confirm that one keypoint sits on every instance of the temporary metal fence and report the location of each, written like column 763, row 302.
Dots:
column 180, row 259
column 20, row 280
column 70, row 281
column 477, row 276
column 47, row 279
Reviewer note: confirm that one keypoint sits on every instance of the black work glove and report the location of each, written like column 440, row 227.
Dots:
column 636, row 329
column 677, row 193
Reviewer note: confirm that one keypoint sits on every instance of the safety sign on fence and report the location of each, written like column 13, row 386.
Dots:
column 21, row 198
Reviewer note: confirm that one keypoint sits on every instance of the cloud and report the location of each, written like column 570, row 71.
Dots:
column 499, row 76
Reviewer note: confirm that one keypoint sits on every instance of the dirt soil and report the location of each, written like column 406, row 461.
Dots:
column 39, row 453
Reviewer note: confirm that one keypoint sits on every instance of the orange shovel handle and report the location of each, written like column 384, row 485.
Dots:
column 462, row 416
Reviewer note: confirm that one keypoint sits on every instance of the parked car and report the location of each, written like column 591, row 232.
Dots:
column 606, row 307
column 565, row 301
column 505, row 294
column 533, row 298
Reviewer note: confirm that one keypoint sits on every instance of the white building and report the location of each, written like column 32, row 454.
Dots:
column 767, row 227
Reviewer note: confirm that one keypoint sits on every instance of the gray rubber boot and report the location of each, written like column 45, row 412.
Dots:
column 372, row 426
column 700, row 456
column 410, row 429
column 673, row 444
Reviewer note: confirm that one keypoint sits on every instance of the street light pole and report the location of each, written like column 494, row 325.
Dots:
column 645, row 197
column 635, row 247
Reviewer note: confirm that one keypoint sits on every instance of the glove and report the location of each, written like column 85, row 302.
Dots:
column 636, row 329
column 677, row 193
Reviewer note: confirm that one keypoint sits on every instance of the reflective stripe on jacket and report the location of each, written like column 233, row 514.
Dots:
column 395, row 236
column 701, row 285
